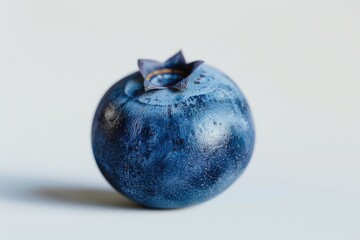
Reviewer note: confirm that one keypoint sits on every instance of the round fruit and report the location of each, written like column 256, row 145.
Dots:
column 173, row 134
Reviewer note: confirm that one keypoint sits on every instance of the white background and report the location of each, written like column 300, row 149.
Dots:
column 298, row 63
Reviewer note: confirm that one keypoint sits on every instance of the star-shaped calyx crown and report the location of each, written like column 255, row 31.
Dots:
column 174, row 73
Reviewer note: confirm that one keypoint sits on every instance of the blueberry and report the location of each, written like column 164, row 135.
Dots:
column 173, row 134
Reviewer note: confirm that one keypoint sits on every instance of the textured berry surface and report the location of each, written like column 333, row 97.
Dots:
column 169, row 149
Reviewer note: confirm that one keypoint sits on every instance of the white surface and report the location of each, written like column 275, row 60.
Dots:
column 296, row 61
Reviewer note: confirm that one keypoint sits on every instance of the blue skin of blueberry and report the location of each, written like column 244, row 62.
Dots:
column 171, row 149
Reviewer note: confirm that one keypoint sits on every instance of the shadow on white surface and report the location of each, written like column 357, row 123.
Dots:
column 45, row 192
column 85, row 196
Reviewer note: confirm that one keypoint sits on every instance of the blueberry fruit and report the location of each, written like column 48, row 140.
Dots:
column 173, row 134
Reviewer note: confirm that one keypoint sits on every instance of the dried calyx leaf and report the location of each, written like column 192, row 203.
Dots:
column 173, row 73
